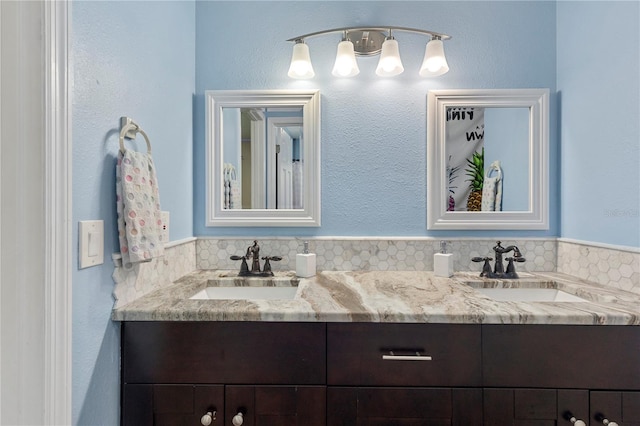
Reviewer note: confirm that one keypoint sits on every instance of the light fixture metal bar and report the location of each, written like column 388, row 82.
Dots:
column 379, row 29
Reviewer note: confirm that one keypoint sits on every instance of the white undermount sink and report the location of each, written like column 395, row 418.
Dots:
column 246, row 293
column 529, row 295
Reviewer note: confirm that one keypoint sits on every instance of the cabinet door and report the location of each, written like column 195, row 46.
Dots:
column 534, row 407
column 620, row 407
column 379, row 406
column 171, row 405
column 175, row 405
column 276, row 405
column 137, row 405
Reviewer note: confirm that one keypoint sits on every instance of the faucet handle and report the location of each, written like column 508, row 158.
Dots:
column 267, row 264
column 486, row 268
column 244, row 268
column 274, row 258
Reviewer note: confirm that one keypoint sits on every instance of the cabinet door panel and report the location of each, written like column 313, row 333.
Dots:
column 277, row 405
column 572, row 403
column 403, row 406
column 137, row 405
column 522, row 407
column 620, row 407
column 402, row 422
column 535, row 404
column 631, row 407
column 498, row 407
column 175, row 405
column 173, row 399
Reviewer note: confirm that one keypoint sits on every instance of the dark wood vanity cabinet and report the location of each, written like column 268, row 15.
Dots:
column 403, row 374
column 173, row 373
column 379, row 374
column 539, row 374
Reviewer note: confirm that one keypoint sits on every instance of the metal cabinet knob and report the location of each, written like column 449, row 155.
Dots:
column 577, row 422
column 568, row 415
column 208, row 418
column 238, row 419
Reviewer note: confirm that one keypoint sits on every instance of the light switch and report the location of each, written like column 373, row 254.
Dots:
column 91, row 243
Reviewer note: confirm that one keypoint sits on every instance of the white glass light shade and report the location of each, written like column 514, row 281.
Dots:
column 434, row 63
column 301, row 62
column 390, row 63
column 345, row 65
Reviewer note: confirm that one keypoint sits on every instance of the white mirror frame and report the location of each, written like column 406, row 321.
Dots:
column 309, row 100
column 537, row 216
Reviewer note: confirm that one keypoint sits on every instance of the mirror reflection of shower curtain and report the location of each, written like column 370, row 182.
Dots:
column 464, row 136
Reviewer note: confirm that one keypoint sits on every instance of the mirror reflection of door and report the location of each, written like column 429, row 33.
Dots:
column 263, row 146
column 284, row 163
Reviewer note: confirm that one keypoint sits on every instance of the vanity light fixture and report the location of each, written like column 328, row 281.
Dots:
column 369, row 41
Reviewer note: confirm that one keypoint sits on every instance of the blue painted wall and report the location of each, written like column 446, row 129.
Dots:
column 135, row 59
column 373, row 129
column 598, row 81
column 503, row 127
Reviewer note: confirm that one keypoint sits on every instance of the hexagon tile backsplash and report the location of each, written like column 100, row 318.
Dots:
column 368, row 254
column 616, row 267
column 611, row 267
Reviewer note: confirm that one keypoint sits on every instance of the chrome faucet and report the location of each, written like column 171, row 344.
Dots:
column 253, row 254
column 498, row 268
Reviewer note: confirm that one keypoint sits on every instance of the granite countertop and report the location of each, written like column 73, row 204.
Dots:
column 389, row 296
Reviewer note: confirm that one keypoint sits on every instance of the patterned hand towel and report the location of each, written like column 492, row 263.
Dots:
column 492, row 189
column 138, row 205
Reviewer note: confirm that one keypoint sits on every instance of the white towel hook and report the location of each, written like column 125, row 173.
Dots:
column 128, row 130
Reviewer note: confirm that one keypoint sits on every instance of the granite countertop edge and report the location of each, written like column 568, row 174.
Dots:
column 390, row 297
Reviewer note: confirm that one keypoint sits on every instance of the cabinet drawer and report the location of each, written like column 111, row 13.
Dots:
column 356, row 354
column 558, row 356
column 224, row 352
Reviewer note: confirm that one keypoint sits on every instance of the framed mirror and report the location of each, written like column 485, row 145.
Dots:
column 263, row 157
column 487, row 159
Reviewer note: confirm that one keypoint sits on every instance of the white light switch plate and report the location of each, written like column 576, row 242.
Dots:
column 91, row 243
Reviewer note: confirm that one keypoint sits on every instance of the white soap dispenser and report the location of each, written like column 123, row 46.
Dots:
column 306, row 262
column 443, row 262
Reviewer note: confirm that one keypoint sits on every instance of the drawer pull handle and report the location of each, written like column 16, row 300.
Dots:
column 417, row 357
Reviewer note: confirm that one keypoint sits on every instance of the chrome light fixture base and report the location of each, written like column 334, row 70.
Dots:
column 366, row 42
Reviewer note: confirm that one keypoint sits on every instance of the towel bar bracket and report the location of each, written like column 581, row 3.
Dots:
column 126, row 121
